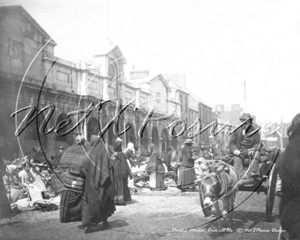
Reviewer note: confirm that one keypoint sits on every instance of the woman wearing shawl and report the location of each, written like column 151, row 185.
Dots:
column 156, row 169
column 130, row 153
column 98, row 198
column 185, row 163
column 121, row 174
column 73, row 180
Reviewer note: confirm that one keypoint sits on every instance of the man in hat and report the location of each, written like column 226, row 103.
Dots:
column 242, row 140
column 185, row 163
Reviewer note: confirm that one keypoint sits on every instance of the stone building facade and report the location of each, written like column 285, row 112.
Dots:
column 47, row 101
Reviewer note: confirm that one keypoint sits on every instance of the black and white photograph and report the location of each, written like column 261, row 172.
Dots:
column 154, row 120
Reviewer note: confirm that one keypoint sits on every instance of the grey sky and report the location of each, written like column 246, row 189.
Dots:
column 217, row 44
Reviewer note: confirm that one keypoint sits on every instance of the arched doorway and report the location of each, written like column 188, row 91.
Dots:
column 144, row 141
column 155, row 137
column 93, row 127
column 165, row 141
column 129, row 135
column 33, row 137
column 111, row 137
column 174, row 140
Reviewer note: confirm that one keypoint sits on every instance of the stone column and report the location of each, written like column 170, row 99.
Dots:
column 137, row 97
column 105, row 88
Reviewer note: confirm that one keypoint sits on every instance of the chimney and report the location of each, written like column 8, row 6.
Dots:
column 135, row 75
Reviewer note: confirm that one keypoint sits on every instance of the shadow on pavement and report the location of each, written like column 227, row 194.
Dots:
column 246, row 216
column 112, row 225
column 131, row 202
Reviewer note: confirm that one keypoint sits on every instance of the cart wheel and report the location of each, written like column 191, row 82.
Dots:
column 271, row 192
column 206, row 210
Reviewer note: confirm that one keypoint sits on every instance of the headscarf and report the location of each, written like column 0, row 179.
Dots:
column 130, row 146
column 79, row 139
column 118, row 145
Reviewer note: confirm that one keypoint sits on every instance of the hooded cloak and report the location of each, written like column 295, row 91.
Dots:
column 98, row 199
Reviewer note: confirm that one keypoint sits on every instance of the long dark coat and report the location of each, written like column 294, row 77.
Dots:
column 236, row 139
column 98, row 198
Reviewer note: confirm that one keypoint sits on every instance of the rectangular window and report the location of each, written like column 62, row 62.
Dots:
column 181, row 103
column 61, row 76
column 15, row 49
column 186, row 104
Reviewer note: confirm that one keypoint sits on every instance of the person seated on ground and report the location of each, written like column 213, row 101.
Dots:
column 37, row 156
column 27, row 179
column 241, row 143
column 25, row 176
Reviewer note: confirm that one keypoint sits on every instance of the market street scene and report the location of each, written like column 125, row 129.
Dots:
column 134, row 129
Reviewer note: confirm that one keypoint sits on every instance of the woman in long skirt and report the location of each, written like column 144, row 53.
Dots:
column 156, row 169
column 121, row 174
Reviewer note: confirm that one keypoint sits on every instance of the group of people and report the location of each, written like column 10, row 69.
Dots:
column 93, row 180
column 244, row 144
column 23, row 177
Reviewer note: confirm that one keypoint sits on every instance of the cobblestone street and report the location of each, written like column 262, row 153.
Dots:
column 151, row 215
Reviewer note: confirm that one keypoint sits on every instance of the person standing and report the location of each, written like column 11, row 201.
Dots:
column 73, row 179
column 156, row 169
column 167, row 159
column 121, row 174
column 98, row 198
column 185, row 163
column 130, row 153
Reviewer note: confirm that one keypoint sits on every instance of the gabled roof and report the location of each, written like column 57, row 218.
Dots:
column 19, row 8
column 177, row 81
column 152, row 77
column 196, row 98
column 106, row 46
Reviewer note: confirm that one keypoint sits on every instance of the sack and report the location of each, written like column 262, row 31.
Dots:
column 74, row 183
column 75, row 171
